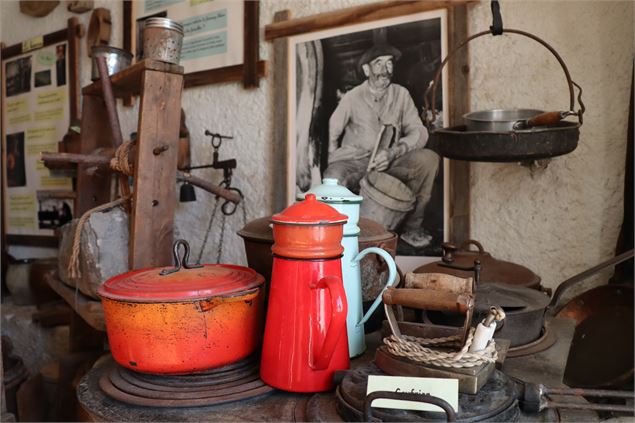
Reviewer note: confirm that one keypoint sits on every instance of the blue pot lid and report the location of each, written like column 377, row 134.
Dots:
column 332, row 192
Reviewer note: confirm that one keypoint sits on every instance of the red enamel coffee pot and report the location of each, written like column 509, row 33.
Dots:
column 305, row 338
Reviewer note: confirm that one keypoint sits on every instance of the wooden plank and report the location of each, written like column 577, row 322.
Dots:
column 251, row 44
column 226, row 74
column 32, row 240
column 93, row 189
column 128, row 81
column 127, row 20
column 353, row 15
column 152, row 222
column 281, row 119
column 458, row 90
column 128, row 101
column 88, row 309
column 52, row 38
column 75, row 32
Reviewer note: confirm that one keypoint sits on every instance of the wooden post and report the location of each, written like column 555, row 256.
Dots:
column 280, row 117
column 152, row 223
column 75, row 32
column 251, row 43
column 458, row 90
column 93, row 190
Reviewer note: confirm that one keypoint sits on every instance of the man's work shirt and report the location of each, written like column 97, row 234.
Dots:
column 361, row 119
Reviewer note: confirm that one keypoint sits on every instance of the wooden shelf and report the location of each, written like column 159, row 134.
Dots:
column 128, row 82
column 88, row 308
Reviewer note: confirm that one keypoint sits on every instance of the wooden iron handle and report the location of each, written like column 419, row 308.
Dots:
column 547, row 118
column 425, row 299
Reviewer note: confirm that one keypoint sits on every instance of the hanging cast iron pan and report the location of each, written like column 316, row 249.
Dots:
column 601, row 353
column 540, row 137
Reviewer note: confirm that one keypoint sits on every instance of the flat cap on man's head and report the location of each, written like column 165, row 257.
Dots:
column 378, row 50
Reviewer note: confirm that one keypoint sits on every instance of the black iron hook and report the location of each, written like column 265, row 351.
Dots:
column 497, row 19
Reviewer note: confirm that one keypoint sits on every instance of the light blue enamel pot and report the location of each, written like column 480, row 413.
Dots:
column 346, row 202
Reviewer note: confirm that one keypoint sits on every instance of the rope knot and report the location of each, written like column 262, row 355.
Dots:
column 121, row 161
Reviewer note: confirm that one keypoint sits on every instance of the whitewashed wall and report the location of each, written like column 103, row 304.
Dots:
column 557, row 222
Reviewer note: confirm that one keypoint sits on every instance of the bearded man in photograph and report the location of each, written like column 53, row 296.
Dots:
column 357, row 122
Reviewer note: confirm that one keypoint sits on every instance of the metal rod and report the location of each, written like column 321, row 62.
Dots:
column 590, row 406
column 602, row 393
column 587, row 273
column 209, row 187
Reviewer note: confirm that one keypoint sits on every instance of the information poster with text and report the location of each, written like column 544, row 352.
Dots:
column 35, row 108
column 213, row 30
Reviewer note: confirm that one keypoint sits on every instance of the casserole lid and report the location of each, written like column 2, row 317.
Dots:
column 210, row 280
column 309, row 212
column 174, row 284
column 492, row 269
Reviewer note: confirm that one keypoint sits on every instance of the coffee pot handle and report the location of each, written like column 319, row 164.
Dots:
column 392, row 277
column 338, row 320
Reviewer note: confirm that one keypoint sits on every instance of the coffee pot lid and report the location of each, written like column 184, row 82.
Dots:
column 330, row 191
column 309, row 212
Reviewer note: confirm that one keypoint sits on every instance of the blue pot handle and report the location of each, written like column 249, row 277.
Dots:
column 392, row 277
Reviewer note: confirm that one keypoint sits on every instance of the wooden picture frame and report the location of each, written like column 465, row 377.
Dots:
column 249, row 72
column 284, row 27
column 68, row 37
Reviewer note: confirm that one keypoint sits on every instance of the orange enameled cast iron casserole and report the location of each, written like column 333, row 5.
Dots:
column 183, row 320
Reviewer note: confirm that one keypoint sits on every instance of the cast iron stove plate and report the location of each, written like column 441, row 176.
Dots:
column 234, row 382
column 495, row 402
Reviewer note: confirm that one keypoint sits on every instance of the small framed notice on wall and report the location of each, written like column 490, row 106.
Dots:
column 39, row 97
column 220, row 41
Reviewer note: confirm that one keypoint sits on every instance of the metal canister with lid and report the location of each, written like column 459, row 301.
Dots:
column 162, row 40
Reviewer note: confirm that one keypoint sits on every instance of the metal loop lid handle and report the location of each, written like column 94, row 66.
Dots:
column 432, row 87
column 406, row 396
column 180, row 262
column 465, row 246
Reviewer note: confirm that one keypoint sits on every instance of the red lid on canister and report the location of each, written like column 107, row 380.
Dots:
column 308, row 229
column 309, row 212
column 210, row 280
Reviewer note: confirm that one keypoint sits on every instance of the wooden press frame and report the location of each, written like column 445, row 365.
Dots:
column 458, row 91
column 71, row 34
column 249, row 72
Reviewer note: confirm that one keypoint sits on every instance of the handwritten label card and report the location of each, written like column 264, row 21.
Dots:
column 446, row 389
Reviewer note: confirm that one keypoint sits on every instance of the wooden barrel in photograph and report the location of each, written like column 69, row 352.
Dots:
column 386, row 199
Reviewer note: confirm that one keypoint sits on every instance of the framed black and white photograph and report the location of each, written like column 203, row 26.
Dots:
column 356, row 108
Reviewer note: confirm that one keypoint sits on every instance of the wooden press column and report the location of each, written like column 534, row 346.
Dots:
column 93, row 189
column 154, row 200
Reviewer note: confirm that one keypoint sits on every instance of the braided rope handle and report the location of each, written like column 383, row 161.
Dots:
column 414, row 348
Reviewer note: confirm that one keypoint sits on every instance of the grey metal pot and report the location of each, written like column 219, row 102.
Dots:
column 497, row 120
column 116, row 60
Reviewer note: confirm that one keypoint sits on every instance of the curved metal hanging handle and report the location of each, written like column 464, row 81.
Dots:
column 406, row 396
column 432, row 87
column 228, row 208
column 178, row 261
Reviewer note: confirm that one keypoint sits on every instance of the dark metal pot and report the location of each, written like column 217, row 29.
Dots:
column 492, row 269
column 524, row 312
